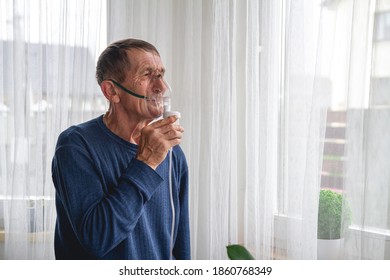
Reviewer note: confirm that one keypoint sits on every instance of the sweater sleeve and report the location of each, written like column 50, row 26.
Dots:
column 99, row 219
column 182, row 250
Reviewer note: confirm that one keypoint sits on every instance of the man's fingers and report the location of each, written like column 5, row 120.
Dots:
column 171, row 127
column 164, row 122
column 174, row 142
column 157, row 138
column 173, row 134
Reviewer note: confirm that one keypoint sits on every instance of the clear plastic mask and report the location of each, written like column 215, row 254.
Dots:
column 158, row 103
column 154, row 103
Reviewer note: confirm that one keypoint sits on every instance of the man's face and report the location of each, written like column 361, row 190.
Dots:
column 146, row 78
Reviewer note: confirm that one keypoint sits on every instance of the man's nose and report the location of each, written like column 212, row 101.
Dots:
column 159, row 86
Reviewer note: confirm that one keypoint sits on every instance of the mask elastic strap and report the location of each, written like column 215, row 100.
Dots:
column 127, row 90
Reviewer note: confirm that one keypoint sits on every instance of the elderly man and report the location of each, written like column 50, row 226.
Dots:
column 112, row 174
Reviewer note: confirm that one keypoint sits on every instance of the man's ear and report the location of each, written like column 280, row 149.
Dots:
column 110, row 92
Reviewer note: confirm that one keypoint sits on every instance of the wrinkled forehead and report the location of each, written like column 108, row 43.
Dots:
column 142, row 60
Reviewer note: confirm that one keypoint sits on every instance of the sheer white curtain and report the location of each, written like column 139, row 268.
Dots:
column 360, row 41
column 292, row 114
column 244, row 77
column 47, row 56
column 334, row 60
column 258, row 83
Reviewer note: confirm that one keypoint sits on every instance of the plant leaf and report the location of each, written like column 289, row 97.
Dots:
column 238, row 252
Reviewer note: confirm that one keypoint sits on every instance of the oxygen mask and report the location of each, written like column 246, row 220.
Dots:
column 155, row 102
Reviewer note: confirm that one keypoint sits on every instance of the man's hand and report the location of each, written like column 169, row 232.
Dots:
column 156, row 140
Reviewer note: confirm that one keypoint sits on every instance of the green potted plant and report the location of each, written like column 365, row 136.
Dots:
column 332, row 221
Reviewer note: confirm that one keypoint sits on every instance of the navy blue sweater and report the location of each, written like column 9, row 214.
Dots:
column 112, row 206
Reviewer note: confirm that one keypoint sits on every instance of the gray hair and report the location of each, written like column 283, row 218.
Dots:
column 113, row 62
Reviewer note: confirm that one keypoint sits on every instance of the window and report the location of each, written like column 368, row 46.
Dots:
column 48, row 51
column 382, row 26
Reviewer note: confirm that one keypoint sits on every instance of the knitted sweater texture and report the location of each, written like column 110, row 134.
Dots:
column 112, row 206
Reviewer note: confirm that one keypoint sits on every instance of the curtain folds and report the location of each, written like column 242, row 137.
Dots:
column 48, row 51
column 367, row 180
column 279, row 99
column 243, row 75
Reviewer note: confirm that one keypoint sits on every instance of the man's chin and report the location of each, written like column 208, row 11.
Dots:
column 155, row 114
